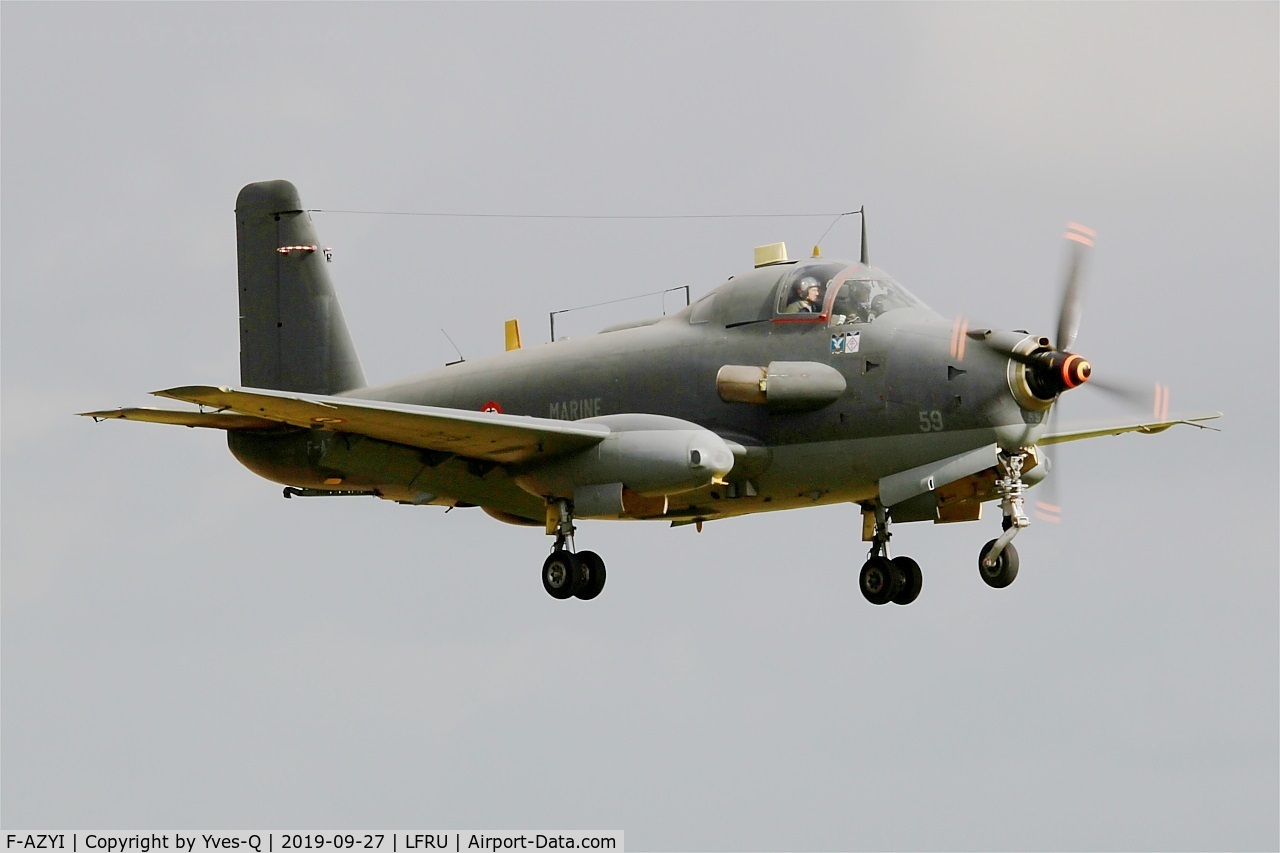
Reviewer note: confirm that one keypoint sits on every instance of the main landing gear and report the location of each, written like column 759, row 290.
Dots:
column 567, row 574
column 883, row 579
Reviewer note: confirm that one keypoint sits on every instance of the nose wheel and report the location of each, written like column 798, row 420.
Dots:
column 998, row 573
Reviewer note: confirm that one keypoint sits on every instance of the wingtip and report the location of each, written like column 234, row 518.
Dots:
column 1198, row 421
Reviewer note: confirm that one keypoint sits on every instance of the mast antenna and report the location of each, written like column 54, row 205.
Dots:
column 862, row 212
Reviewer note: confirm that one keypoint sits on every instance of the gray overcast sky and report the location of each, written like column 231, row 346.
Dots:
column 182, row 648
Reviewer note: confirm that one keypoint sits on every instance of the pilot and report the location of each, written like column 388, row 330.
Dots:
column 810, row 301
column 859, row 307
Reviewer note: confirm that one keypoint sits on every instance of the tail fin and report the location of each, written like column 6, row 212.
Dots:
column 292, row 333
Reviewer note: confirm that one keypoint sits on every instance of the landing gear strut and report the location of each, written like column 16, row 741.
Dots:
column 883, row 579
column 998, row 559
column 566, row 574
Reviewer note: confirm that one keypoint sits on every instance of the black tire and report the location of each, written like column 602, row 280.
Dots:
column 912, row 580
column 880, row 580
column 561, row 574
column 1005, row 569
column 594, row 574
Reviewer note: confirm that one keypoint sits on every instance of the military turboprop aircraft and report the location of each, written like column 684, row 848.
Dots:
column 799, row 383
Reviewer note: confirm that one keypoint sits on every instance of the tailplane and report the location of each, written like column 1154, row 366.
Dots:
column 292, row 333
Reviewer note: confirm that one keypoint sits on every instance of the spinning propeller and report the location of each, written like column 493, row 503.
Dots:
column 1054, row 369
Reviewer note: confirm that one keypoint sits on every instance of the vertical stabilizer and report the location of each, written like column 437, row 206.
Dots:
column 292, row 333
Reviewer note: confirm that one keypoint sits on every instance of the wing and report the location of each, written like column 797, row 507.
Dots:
column 476, row 435
column 1145, row 427
column 898, row 488
column 210, row 420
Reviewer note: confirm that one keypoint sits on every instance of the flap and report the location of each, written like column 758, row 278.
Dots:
column 476, row 435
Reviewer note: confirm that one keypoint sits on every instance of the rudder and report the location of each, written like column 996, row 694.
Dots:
column 293, row 336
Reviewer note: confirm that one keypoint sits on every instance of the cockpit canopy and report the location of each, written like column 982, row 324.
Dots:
column 803, row 290
column 825, row 293
column 863, row 299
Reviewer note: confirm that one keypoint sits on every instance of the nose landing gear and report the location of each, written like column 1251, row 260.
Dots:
column 998, row 559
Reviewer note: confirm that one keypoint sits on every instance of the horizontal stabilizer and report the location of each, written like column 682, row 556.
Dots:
column 1145, row 427
column 210, row 420
column 477, row 435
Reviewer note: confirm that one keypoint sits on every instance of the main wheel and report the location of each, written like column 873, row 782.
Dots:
column 912, row 580
column 593, row 568
column 880, row 580
column 1004, row 571
column 562, row 574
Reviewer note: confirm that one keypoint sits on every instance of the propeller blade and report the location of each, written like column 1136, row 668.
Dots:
column 959, row 337
column 1162, row 402
column 1047, row 512
column 1081, row 237
column 1048, row 507
column 1135, row 393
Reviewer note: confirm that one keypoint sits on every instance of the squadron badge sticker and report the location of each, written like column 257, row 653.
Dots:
column 845, row 343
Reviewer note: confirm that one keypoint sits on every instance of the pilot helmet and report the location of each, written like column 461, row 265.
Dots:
column 807, row 282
